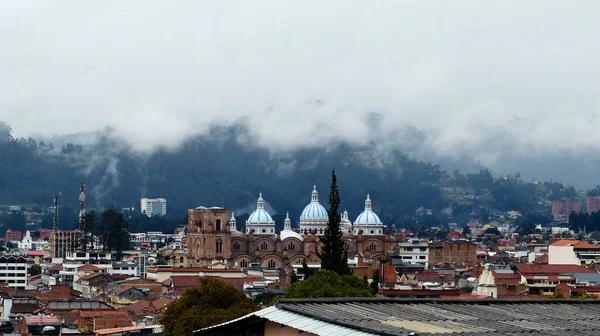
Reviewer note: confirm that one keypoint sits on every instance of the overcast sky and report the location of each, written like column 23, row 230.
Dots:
column 480, row 77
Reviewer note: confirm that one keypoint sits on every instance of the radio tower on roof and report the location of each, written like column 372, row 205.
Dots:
column 56, row 199
column 82, row 228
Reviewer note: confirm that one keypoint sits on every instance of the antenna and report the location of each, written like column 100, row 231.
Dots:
column 56, row 201
column 82, row 233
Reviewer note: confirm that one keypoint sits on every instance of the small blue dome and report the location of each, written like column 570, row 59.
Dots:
column 314, row 210
column 368, row 217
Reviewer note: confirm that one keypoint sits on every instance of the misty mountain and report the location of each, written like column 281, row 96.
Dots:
column 224, row 167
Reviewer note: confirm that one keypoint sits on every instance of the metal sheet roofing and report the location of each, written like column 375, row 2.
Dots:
column 297, row 321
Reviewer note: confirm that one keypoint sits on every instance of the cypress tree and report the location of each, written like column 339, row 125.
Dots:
column 333, row 254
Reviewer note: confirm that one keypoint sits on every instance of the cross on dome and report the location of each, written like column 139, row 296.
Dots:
column 260, row 204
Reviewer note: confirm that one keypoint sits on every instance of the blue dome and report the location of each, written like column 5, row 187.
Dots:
column 368, row 217
column 260, row 216
column 314, row 210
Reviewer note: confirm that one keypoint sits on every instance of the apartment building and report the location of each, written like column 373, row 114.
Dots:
column 154, row 206
column 592, row 204
column 63, row 242
column 74, row 260
column 453, row 252
column 414, row 251
column 563, row 208
column 572, row 252
column 13, row 271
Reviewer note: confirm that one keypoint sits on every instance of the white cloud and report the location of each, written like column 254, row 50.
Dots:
column 482, row 78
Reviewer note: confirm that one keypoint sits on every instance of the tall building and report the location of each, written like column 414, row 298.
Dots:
column 13, row 271
column 154, row 206
column 592, row 204
column 563, row 208
column 62, row 242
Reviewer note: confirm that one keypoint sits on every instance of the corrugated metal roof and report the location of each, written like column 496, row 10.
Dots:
column 300, row 322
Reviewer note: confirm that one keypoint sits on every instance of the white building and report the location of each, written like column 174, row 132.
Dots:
column 13, row 270
column 572, row 252
column 414, row 252
column 27, row 243
column 125, row 268
column 154, row 206
column 74, row 260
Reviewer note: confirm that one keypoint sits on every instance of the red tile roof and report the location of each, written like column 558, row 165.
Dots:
column 193, row 270
column 185, row 281
column 102, row 312
column 122, row 330
column 88, row 268
column 36, row 253
column 433, row 277
column 513, row 275
column 41, row 319
column 541, row 269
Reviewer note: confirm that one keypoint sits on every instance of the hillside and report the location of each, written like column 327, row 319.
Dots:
column 221, row 168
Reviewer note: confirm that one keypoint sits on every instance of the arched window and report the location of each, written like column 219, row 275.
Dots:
column 291, row 246
column 264, row 246
column 200, row 223
column 244, row 263
column 320, row 231
column 219, row 246
column 236, row 246
column 218, row 224
column 271, row 264
column 372, row 247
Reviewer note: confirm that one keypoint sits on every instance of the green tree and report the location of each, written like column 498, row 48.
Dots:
column 34, row 270
column 213, row 302
column 327, row 283
column 375, row 283
column 333, row 253
column 306, row 270
column 114, row 232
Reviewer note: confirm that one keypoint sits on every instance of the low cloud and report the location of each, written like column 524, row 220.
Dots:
column 486, row 79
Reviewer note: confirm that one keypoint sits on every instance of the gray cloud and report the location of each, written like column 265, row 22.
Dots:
column 488, row 79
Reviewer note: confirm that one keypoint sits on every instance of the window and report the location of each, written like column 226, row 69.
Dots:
column 218, row 224
column 200, row 223
column 372, row 247
column 244, row 263
column 219, row 246
column 236, row 246
column 422, row 257
column 264, row 246
column 264, row 231
column 291, row 247
column 372, row 231
column 271, row 264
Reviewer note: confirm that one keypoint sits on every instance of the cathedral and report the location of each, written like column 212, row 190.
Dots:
column 213, row 238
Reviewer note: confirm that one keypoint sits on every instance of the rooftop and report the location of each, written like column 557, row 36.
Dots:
column 378, row 316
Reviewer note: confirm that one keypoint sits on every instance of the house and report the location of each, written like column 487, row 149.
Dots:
column 543, row 279
column 160, row 274
column 498, row 283
column 38, row 325
column 433, row 280
column 90, row 320
column 384, row 316
column 573, row 252
column 147, row 330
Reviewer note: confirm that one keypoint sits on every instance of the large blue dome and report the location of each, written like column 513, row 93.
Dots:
column 314, row 210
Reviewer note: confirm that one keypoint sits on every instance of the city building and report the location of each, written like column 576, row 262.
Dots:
column 73, row 261
column 572, row 252
column 27, row 243
column 62, row 242
column 561, row 210
column 213, row 238
column 12, row 235
column 414, row 251
column 154, row 206
column 125, row 268
column 13, row 271
column 453, row 252
column 592, row 204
